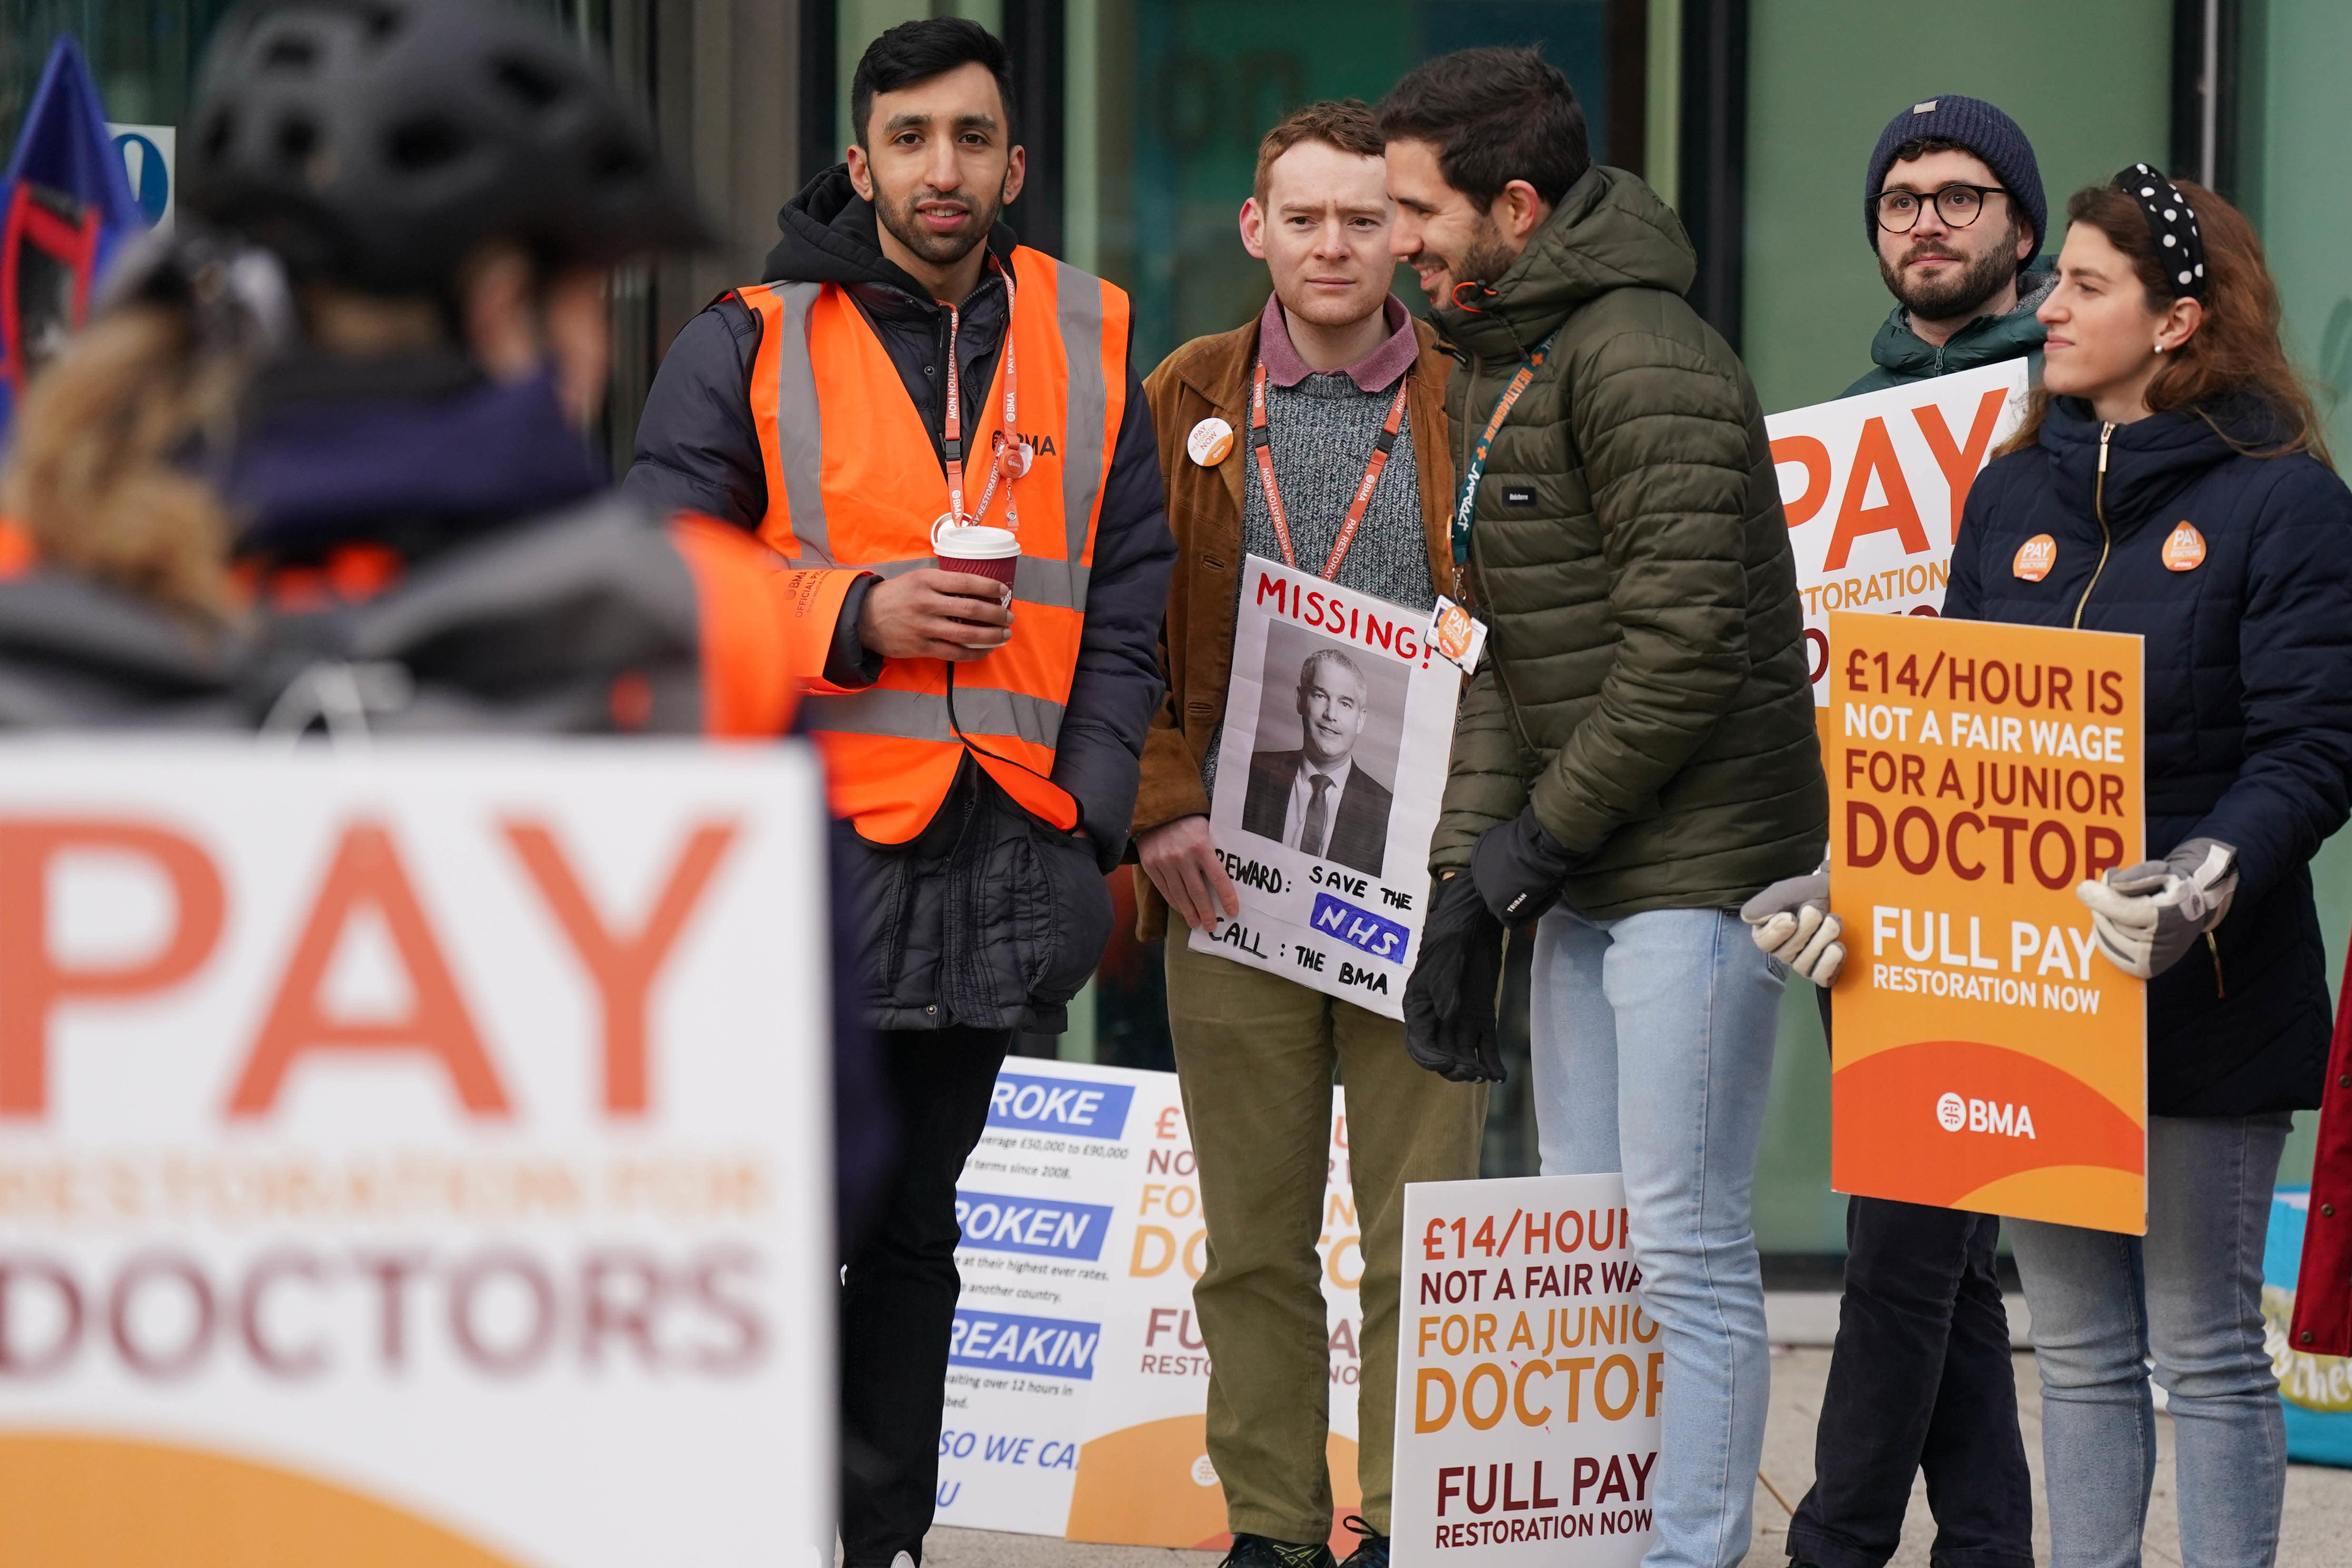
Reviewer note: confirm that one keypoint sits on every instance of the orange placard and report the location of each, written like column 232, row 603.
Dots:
column 1986, row 1056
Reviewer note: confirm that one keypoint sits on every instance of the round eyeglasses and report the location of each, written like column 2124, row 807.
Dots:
column 1957, row 206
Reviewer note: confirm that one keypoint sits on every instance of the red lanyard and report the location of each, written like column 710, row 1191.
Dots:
column 1008, row 458
column 1262, row 443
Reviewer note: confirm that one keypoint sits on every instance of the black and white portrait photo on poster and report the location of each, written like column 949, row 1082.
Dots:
column 1322, row 776
column 1347, row 722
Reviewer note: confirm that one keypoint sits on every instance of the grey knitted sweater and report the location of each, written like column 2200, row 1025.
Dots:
column 1323, row 430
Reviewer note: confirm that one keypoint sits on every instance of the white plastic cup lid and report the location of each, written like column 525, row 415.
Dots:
column 966, row 542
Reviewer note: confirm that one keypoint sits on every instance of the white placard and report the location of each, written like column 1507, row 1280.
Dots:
column 1044, row 1204
column 1528, row 1378
column 1873, row 485
column 1079, row 1374
column 1327, row 680
column 423, row 1155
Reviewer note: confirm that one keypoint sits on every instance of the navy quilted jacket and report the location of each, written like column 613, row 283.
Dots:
column 2249, row 680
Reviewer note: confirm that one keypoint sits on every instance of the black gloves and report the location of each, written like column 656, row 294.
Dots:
column 1515, row 875
column 1519, row 868
column 1449, row 1002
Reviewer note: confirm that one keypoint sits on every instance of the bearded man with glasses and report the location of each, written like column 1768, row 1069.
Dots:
column 1954, row 211
column 1921, row 1378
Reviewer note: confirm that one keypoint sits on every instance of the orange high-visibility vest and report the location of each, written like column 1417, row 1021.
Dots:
column 853, row 485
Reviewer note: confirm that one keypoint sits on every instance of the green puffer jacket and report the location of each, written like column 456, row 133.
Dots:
column 1900, row 356
column 1645, row 672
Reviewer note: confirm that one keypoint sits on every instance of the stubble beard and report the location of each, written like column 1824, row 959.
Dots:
column 1960, row 296
column 1486, row 259
column 938, row 250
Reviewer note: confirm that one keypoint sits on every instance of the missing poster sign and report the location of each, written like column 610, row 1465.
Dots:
column 1338, row 724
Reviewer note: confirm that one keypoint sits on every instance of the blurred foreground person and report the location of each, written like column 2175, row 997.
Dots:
column 910, row 390
column 363, row 365
column 1351, row 385
column 1637, row 755
column 2173, row 464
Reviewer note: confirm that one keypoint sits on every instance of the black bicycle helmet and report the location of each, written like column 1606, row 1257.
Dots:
column 375, row 143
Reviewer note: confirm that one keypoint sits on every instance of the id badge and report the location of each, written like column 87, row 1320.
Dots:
column 1457, row 635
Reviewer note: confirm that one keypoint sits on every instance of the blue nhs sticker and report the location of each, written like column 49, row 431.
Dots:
column 1059, row 1105
column 1042, row 1227
column 1010, row 1344
column 1358, row 928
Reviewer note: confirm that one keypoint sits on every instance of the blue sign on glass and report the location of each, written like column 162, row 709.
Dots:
column 1043, row 1226
column 1010, row 1344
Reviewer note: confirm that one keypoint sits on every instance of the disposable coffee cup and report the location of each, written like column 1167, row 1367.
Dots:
column 980, row 550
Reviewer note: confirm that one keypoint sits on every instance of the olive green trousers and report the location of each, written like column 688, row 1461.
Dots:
column 1257, row 1055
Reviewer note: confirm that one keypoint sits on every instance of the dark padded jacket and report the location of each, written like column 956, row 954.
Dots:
column 946, row 944
column 2248, row 662
column 1645, row 679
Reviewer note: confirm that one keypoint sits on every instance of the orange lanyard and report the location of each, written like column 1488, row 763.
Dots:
column 1008, row 458
column 1262, row 443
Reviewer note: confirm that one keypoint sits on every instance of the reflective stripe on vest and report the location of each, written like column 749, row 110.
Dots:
column 854, row 482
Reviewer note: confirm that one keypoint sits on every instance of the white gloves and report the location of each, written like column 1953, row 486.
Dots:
column 2147, row 916
column 1793, row 922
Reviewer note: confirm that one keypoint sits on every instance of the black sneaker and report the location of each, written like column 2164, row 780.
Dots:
column 1264, row 1551
column 1371, row 1552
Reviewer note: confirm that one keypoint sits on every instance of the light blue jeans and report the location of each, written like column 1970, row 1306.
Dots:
column 2191, row 1293
column 1652, row 1039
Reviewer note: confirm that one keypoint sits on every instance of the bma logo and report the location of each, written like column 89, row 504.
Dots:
column 1953, row 1113
column 1059, row 1105
column 998, row 1223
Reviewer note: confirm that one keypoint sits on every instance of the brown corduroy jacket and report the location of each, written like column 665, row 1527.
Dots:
column 1210, row 376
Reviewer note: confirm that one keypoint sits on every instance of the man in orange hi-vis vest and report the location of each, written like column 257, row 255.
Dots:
column 913, row 390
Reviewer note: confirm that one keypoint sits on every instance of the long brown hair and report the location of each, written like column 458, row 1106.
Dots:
column 2235, row 353
column 93, row 475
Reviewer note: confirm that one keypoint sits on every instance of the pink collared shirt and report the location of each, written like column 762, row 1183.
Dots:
column 1375, row 372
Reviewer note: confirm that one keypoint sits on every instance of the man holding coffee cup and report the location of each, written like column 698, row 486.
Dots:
column 938, row 427
column 1344, row 371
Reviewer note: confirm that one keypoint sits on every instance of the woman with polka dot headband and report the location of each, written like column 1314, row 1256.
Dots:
column 2170, row 480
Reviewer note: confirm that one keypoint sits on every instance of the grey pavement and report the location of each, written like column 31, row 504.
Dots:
column 2318, row 1500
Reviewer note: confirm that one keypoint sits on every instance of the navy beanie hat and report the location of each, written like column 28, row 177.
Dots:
column 1974, row 124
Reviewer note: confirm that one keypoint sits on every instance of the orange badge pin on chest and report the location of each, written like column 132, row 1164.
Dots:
column 2184, row 548
column 2035, row 557
column 1211, row 439
column 1455, row 629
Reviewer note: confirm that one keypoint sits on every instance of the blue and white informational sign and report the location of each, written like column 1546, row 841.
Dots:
column 149, row 157
column 1078, row 1374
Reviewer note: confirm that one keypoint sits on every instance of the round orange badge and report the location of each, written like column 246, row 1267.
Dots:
column 2035, row 557
column 1210, row 441
column 1453, row 632
column 2184, row 549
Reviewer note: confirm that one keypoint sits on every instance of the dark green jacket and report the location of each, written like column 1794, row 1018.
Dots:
column 1899, row 356
column 1644, row 683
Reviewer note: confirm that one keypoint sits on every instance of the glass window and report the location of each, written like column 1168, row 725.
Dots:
column 143, row 53
column 1184, row 89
